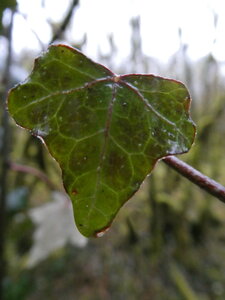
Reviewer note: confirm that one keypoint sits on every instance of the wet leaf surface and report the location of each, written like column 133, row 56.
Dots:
column 105, row 131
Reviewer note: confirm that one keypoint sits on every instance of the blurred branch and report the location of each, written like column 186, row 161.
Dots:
column 5, row 152
column 182, row 284
column 204, row 182
column 65, row 22
column 34, row 172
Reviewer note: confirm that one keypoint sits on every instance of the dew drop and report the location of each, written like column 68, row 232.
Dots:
column 85, row 158
column 42, row 132
column 98, row 168
column 136, row 185
column 139, row 145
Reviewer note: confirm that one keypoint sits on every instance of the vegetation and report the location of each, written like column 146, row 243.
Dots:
column 168, row 241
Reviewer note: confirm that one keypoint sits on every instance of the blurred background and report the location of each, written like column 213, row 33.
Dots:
column 168, row 241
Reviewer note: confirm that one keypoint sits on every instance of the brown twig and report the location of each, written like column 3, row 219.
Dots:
column 204, row 182
column 65, row 22
column 33, row 171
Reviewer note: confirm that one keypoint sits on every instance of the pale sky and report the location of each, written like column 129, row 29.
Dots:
column 160, row 21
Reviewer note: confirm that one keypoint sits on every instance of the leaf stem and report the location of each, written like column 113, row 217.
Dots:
column 209, row 185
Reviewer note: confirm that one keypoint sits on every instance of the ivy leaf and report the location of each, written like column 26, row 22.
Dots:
column 105, row 131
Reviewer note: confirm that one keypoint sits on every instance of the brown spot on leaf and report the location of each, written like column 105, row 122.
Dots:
column 187, row 103
column 74, row 192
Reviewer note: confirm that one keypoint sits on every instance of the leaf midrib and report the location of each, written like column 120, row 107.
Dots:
column 111, row 79
column 89, row 84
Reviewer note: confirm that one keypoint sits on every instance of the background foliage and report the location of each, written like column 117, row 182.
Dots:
column 168, row 242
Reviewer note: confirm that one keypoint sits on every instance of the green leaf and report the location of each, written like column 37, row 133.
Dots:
column 105, row 131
